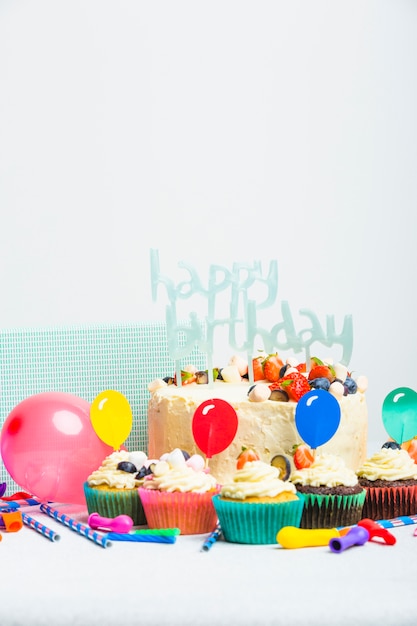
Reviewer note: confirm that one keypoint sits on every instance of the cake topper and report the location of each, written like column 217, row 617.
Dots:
column 242, row 285
column 317, row 417
column 214, row 426
column 111, row 417
column 399, row 414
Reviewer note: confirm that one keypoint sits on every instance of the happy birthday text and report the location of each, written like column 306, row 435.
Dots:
column 239, row 284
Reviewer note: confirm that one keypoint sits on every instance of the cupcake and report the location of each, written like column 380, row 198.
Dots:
column 178, row 494
column 390, row 480
column 333, row 496
column 112, row 489
column 257, row 504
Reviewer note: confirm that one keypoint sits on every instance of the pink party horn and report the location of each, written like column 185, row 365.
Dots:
column 119, row 524
column 356, row 536
column 375, row 530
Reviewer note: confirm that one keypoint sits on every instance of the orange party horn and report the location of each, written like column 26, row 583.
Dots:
column 12, row 521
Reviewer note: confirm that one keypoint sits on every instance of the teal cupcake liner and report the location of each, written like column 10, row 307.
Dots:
column 327, row 511
column 111, row 503
column 256, row 523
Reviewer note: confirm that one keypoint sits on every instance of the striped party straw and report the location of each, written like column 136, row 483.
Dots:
column 39, row 527
column 76, row 526
column 211, row 539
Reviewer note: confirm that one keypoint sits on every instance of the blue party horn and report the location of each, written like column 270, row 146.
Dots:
column 143, row 538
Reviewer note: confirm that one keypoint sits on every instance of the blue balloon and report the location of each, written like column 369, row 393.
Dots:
column 317, row 417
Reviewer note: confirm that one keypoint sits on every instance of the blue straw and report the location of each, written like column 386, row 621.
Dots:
column 144, row 538
column 211, row 539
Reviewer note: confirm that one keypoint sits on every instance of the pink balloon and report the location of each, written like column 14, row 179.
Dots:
column 49, row 446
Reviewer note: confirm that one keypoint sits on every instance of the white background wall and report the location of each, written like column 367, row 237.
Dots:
column 214, row 132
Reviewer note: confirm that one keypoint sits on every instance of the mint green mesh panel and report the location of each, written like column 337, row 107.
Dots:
column 85, row 360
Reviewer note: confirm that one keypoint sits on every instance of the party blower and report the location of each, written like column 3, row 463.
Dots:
column 365, row 530
column 338, row 539
column 119, row 524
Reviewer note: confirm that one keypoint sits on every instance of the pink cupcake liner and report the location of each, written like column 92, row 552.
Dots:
column 192, row 513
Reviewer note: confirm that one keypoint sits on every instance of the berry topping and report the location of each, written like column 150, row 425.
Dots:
column 412, row 449
column 391, row 445
column 301, row 367
column 295, row 384
column 127, row 466
column 282, row 463
column 247, row 455
column 188, row 377
column 279, row 395
column 350, row 385
column 283, row 369
column 272, row 367
column 201, row 377
column 303, row 456
column 144, row 471
column 258, row 372
column 322, row 371
column 320, row 383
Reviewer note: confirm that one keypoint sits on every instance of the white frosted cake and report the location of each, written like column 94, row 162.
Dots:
column 266, row 425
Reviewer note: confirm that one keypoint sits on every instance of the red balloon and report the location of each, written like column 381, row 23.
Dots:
column 49, row 446
column 214, row 426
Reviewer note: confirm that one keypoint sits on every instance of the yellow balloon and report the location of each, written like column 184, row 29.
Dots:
column 111, row 417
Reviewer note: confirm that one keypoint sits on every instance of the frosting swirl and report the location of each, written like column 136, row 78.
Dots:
column 327, row 470
column 256, row 479
column 108, row 474
column 173, row 474
column 389, row 464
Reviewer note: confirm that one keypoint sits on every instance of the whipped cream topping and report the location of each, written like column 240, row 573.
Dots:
column 256, row 479
column 327, row 470
column 389, row 464
column 108, row 474
column 174, row 474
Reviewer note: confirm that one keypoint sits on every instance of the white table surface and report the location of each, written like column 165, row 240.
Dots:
column 75, row 581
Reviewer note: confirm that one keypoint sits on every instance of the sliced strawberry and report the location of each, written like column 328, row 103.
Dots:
column 412, row 449
column 247, row 455
column 301, row 367
column 322, row 371
column 303, row 456
column 272, row 367
column 186, row 378
column 258, row 372
column 295, row 384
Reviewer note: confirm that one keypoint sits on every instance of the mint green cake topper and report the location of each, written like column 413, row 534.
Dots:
column 239, row 284
column 399, row 414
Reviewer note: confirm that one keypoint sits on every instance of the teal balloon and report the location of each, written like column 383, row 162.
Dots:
column 317, row 417
column 399, row 414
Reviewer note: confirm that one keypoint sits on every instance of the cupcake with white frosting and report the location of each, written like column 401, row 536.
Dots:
column 112, row 489
column 178, row 494
column 333, row 495
column 390, row 479
column 257, row 504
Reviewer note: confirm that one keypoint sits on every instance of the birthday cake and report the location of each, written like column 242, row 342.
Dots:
column 265, row 413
